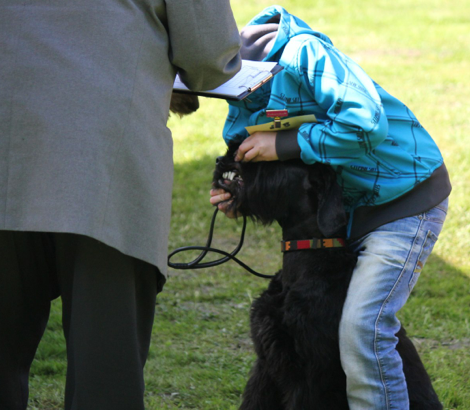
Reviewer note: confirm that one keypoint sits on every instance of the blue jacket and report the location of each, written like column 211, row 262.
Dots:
column 377, row 146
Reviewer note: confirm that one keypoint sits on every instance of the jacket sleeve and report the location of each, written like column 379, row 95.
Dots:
column 204, row 42
column 238, row 118
column 354, row 122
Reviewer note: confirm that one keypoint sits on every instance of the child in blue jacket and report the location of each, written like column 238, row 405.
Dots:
column 394, row 181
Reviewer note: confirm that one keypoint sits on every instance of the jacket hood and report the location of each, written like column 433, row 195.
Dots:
column 269, row 32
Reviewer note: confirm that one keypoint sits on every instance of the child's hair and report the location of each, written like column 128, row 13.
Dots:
column 183, row 104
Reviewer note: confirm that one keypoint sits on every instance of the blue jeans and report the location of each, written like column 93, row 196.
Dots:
column 390, row 260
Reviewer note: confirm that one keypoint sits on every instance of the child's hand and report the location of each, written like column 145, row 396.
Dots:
column 260, row 146
column 220, row 198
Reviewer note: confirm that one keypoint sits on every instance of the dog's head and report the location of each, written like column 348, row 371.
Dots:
column 282, row 191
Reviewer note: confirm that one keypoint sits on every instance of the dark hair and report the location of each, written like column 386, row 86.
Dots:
column 183, row 104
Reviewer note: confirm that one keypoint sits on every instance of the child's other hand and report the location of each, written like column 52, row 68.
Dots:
column 220, row 198
column 260, row 146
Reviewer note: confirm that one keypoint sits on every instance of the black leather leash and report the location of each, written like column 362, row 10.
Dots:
column 198, row 264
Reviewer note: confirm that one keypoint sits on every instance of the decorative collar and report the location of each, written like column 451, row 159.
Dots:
column 314, row 243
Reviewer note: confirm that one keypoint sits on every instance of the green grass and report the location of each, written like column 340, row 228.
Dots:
column 201, row 352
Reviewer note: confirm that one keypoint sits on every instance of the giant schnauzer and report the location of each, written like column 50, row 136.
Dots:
column 294, row 323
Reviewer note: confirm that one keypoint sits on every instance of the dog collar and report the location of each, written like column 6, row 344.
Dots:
column 312, row 244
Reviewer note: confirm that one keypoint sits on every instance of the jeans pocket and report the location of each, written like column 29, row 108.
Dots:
column 426, row 250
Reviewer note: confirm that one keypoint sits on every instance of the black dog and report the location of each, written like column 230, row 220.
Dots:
column 294, row 323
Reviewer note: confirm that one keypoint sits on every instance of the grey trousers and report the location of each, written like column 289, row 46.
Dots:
column 108, row 302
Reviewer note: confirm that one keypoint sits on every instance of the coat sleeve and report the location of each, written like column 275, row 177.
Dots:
column 204, row 42
column 354, row 122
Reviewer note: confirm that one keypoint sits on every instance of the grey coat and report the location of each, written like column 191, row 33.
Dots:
column 85, row 87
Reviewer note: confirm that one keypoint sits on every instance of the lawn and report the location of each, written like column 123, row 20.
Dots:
column 201, row 352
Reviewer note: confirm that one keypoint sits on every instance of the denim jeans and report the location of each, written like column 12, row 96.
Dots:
column 390, row 260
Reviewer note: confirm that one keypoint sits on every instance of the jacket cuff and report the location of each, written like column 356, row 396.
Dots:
column 287, row 146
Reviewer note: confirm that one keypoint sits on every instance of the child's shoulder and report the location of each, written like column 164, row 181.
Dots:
column 305, row 46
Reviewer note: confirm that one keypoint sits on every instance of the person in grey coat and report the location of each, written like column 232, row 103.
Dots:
column 86, row 176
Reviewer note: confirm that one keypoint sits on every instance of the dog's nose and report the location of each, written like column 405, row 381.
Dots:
column 217, row 160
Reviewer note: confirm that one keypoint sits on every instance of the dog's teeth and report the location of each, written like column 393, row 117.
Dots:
column 230, row 175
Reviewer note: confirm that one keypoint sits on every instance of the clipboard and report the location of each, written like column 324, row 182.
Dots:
column 252, row 75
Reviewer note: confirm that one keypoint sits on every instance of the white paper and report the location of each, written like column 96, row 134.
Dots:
column 250, row 75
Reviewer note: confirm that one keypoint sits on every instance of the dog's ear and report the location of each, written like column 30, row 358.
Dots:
column 331, row 216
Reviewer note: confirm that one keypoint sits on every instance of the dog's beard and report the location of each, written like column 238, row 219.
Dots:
column 227, row 177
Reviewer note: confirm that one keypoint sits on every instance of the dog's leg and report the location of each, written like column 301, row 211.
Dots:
column 420, row 390
column 264, row 388
column 261, row 391
column 318, row 393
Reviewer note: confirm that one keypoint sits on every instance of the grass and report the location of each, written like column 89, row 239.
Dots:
column 201, row 352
